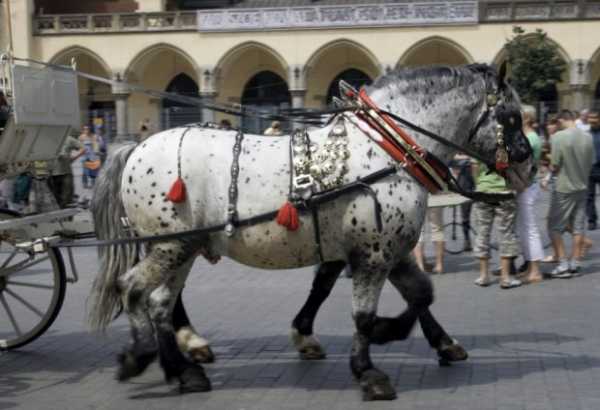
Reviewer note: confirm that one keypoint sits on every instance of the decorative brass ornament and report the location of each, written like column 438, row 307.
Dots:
column 326, row 164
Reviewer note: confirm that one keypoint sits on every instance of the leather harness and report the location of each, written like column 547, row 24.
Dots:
column 380, row 126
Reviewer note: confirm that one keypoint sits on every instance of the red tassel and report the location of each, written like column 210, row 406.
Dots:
column 288, row 217
column 177, row 192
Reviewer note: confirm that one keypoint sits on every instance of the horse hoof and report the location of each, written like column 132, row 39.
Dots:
column 202, row 354
column 313, row 352
column 131, row 365
column 308, row 346
column 375, row 385
column 194, row 380
column 452, row 353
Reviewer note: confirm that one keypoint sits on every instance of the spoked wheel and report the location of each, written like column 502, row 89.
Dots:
column 454, row 238
column 32, row 289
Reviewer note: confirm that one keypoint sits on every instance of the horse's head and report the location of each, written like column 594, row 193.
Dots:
column 497, row 134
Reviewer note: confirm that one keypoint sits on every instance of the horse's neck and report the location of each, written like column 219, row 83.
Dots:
column 447, row 115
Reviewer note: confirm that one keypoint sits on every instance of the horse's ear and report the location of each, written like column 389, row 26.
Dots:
column 502, row 75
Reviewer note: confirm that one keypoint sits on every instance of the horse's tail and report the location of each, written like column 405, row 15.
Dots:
column 108, row 211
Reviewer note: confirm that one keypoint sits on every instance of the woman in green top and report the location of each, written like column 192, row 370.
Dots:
column 529, row 233
column 504, row 214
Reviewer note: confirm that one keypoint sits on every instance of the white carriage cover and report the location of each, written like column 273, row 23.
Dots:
column 45, row 105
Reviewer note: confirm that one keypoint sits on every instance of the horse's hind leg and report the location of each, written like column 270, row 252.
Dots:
column 143, row 348
column 302, row 326
column 158, row 280
column 188, row 340
column 409, row 281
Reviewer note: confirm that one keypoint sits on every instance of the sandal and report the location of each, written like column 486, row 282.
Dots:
column 511, row 283
column 483, row 282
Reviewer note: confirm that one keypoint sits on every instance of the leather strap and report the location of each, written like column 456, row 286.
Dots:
column 400, row 146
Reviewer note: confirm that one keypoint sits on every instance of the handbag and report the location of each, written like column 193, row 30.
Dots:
column 93, row 165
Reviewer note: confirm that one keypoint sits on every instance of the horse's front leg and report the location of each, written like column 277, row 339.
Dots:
column 367, row 284
column 302, row 326
column 410, row 281
column 309, row 347
column 188, row 340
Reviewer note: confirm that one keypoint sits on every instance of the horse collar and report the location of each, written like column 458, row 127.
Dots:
column 419, row 162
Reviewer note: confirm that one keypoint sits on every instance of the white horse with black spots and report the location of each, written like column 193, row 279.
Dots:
column 134, row 183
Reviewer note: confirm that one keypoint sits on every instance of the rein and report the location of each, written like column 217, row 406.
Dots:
column 305, row 206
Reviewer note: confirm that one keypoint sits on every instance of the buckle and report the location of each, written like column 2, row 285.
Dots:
column 303, row 181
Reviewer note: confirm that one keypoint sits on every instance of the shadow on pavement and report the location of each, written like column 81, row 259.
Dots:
column 271, row 361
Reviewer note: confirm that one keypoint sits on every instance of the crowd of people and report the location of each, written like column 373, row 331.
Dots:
column 567, row 156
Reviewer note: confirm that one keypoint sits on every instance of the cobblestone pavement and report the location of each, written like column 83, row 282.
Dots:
column 535, row 347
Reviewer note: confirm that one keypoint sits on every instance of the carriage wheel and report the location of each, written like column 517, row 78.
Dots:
column 32, row 289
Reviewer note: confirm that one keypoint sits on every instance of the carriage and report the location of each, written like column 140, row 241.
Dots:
column 43, row 105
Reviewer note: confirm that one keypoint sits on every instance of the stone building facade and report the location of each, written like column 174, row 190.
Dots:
column 289, row 54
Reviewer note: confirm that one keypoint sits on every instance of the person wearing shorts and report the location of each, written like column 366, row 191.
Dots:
column 572, row 158
column 505, row 213
column 436, row 224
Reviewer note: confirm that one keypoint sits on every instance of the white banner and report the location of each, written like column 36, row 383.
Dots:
column 372, row 15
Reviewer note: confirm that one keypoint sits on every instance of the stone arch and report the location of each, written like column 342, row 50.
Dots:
column 155, row 67
column 139, row 64
column 595, row 78
column 331, row 60
column 95, row 99
column 268, row 92
column 64, row 56
column 352, row 76
column 251, row 46
column 239, row 65
column 175, row 113
column 435, row 50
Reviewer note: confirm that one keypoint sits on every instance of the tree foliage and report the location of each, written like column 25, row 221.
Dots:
column 535, row 63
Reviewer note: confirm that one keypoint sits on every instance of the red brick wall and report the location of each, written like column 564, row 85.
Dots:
column 85, row 6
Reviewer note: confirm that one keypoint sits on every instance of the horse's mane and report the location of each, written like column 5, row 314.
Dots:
column 439, row 77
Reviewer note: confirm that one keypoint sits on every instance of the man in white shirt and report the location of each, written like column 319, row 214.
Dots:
column 582, row 121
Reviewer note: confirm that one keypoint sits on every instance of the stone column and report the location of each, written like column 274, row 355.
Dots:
column 297, row 86
column 22, row 27
column 121, row 94
column 208, row 91
column 579, row 80
column 208, row 98
column 298, row 103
